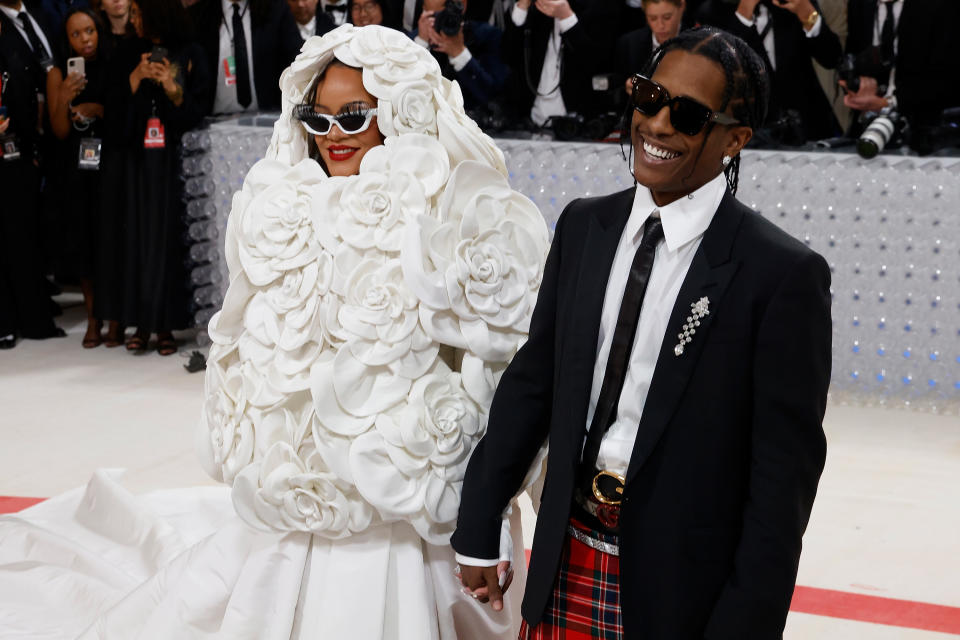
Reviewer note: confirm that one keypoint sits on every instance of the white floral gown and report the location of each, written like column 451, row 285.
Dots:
column 367, row 321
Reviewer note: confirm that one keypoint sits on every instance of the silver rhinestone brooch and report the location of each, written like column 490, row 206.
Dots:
column 698, row 310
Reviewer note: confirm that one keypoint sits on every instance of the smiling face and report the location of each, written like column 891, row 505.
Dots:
column 365, row 12
column 82, row 35
column 663, row 17
column 341, row 91
column 668, row 162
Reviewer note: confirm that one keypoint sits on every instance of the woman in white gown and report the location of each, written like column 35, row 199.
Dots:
column 376, row 293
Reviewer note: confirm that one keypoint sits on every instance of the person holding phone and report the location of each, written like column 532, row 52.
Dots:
column 161, row 90
column 76, row 92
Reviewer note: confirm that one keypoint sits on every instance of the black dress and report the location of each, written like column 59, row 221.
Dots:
column 77, row 191
column 153, row 294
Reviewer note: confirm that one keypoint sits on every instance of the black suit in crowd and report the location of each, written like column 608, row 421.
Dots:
column 795, row 84
column 927, row 64
column 730, row 447
column 19, row 48
column 633, row 51
column 483, row 78
column 24, row 304
column 276, row 42
column 584, row 52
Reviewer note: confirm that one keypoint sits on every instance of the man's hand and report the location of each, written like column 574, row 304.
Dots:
column 425, row 25
column 483, row 583
column 4, row 124
column 450, row 45
column 803, row 9
column 524, row 4
column 746, row 8
column 557, row 9
column 866, row 99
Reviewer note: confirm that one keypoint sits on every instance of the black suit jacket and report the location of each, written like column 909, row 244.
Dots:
column 18, row 47
column 276, row 42
column 795, row 84
column 633, row 51
column 586, row 50
column 730, row 446
column 926, row 53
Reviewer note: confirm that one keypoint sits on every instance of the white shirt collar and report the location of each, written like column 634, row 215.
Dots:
column 13, row 13
column 228, row 7
column 684, row 219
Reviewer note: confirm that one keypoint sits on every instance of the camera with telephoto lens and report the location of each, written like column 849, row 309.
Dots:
column 450, row 19
column 878, row 134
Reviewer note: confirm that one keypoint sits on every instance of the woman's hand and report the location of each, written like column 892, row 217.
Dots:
column 163, row 74
column 72, row 85
column 141, row 72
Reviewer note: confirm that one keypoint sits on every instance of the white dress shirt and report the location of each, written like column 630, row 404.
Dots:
column 548, row 101
column 14, row 14
column 226, row 99
column 762, row 18
column 309, row 29
column 684, row 222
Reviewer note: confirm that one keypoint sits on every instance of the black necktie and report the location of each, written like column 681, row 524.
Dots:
column 36, row 44
column 887, row 35
column 240, row 58
column 768, row 25
column 622, row 344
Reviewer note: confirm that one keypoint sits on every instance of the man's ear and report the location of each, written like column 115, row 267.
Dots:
column 739, row 137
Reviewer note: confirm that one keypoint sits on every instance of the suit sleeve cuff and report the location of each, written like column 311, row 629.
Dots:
column 745, row 21
column 568, row 23
column 519, row 16
column 815, row 29
column 476, row 562
column 460, row 61
column 420, row 41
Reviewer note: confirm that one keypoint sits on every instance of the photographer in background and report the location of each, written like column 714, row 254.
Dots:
column 556, row 48
column 664, row 20
column 788, row 35
column 901, row 57
column 468, row 51
column 25, row 307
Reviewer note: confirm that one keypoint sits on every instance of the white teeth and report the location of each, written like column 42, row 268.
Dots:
column 657, row 152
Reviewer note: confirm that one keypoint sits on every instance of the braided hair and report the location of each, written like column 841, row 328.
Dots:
column 747, row 89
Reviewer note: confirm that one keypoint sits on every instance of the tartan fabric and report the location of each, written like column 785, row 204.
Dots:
column 586, row 597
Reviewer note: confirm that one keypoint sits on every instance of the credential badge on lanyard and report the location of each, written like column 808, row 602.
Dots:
column 154, row 138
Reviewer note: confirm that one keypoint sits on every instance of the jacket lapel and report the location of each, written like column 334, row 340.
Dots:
column 709, row 275
column 600, row 247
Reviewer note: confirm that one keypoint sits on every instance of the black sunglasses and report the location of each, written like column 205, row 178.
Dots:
column 687, row 116
column 319, row 124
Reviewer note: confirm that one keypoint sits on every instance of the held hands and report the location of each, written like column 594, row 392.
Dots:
column 483, row 583
column 866, row 99
column 557, row 9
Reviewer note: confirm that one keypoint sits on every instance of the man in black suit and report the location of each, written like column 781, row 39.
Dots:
column 907, row 55
column 315, row 18
column 471, row 56
column 25, row 308
column 555, row 48
column 678, row 362
column 788, row 35
column 248, row 68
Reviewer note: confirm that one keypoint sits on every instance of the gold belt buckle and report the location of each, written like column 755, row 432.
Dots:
column 603, row 487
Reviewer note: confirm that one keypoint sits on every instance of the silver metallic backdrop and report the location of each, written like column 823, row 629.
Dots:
column 889, row 227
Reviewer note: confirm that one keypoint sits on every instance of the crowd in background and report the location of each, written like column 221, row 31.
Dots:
column 96, row 95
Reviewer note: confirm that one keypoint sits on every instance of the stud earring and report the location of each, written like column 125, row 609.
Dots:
column 726, row 160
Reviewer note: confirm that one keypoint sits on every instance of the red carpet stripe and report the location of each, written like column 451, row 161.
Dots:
column 819, row 602
column 888, row 611
column 9, row 504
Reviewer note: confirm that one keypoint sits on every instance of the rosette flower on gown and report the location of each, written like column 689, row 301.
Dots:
column 366, row 324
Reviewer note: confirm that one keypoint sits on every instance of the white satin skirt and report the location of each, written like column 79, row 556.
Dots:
column 100, row 563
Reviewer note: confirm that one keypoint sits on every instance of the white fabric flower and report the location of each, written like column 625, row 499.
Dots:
column 478, row 271
column 284, row 492
column 227, row 439
column 410, row 109
column 411, row 466
column 276, row 228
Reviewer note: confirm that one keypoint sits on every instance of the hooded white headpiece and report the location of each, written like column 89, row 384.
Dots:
column 368, row 317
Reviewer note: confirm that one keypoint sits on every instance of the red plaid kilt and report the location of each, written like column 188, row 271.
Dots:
column 586, row 597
